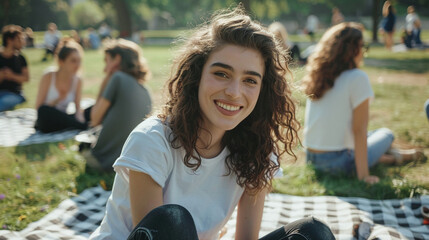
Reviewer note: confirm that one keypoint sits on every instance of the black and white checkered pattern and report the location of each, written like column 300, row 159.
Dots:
column 76, row 218
column 17, row 127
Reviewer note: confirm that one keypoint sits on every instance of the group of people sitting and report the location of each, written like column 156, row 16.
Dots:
column 218, row 140
column 123, row 100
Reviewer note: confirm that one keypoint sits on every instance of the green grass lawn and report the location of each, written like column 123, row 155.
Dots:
column 35, row 178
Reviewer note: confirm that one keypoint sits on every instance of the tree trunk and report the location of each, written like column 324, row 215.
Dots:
column 124, row 18
column 375, row 14
column 6, row 6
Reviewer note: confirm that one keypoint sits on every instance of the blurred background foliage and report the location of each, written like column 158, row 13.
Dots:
column 131, row 15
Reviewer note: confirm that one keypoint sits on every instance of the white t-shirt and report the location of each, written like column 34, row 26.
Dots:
column 328, row 121
column 409, row 21
column 312, row 23
column 207, row 194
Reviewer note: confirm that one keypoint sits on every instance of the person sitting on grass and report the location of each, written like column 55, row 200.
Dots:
column 215, row 145
column 122, row 102
column 13, row 67
column 336, row 115
column 59, row 88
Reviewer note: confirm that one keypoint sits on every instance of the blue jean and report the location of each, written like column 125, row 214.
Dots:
column 175, row 222
column 8, row 100
column 379, row 142
column 427, row 108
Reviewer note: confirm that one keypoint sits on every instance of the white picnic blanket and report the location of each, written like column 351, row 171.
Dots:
column 17, row 127
column 78, row 217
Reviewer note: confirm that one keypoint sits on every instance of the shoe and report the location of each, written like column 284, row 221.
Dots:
column 410, row 155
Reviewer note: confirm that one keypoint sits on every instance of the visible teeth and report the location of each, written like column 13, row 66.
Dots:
column 227, row 107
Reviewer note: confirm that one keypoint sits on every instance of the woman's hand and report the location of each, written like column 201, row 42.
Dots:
column 371, row 179
column 79, row 116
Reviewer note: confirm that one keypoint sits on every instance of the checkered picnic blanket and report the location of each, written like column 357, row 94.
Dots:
column 78, row 217
column 17, row 127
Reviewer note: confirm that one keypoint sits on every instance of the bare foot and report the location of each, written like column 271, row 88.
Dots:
column 387, row 159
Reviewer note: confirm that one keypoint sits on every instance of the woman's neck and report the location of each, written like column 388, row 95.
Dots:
column 209, row 144
column 63, row 74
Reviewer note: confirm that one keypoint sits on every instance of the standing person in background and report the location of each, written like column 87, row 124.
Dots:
column 215, row 146
column 312, row 26
column 413, row 28
column 388, row 24
column 337, row 110
column 13, row 67
column 58, row 89
column 51, row 39
column 123, row 102
column 337, row 16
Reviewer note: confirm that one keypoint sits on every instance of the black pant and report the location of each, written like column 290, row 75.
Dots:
column 50, row 119
column 175, row 222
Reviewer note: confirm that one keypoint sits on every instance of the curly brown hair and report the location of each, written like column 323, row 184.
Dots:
column 132, row 60
column 270, row 128
column 334, row 54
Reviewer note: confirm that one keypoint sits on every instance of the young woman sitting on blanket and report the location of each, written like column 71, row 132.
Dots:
column 336, row 116
column 60, row 87
column 122, row 102
column 215, row 145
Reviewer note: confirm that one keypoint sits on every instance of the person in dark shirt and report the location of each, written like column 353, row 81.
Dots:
column 13, row 67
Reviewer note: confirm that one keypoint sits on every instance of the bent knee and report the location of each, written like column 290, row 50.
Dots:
column 174, row 213
column 311, row 228
column 387, row 132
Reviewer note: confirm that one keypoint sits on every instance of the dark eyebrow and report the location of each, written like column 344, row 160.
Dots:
column 223, row 65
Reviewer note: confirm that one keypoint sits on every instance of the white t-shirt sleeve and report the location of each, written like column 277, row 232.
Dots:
column 146, row 150
column 360, row 89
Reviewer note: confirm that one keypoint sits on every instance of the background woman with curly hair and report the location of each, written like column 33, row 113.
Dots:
column 336, row 117
column 215, row 145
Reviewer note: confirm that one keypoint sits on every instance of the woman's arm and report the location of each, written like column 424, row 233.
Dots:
column 360, row 128
column 78, row 95
column 17, row 77
column 249, row 215
column 43, row 89
column 145, row 195
column 98, row 111
column 385, row 10
column 104, row 84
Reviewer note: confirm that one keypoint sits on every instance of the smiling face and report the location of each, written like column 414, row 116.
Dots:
column 230, row 84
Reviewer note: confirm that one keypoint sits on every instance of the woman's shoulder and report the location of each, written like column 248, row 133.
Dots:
column 152, row 125
column 49, row 71
column 355, row 73
column 122, row 75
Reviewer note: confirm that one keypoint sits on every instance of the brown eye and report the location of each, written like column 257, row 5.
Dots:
column 221, row 74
